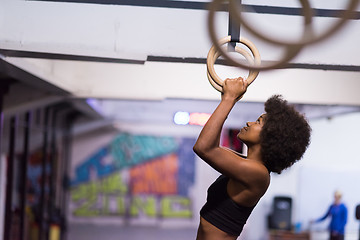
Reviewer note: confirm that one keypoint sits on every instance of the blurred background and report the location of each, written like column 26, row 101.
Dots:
column 102, row 101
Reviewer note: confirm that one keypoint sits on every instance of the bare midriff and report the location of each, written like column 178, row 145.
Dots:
column 207, row 231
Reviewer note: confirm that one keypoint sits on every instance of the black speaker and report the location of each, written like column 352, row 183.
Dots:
column 280, row 217
column 357, row 212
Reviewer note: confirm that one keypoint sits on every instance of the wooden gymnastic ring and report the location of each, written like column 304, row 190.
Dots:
column 253, row 59
column 215, row 80
column 213, row 83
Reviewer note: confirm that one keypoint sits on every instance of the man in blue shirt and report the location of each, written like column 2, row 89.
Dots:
column 338, row 213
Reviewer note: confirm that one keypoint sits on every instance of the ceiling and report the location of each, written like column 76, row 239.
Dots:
column 141, row 61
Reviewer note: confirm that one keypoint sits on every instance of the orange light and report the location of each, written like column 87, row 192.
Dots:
column 199, row 118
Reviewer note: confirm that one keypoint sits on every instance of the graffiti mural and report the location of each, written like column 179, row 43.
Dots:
column 136, row 176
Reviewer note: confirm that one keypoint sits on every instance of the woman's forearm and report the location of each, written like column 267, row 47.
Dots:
column 209, row 137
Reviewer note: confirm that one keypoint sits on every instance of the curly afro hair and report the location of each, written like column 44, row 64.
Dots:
column 284, row 136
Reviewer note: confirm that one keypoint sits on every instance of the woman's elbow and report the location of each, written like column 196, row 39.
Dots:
column 198, row 149
column 201, row 150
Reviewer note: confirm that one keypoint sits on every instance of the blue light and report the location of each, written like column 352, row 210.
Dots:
column 181, row 118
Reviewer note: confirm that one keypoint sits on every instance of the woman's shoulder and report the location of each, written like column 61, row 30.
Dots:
column 254, row 173
column 258, row 167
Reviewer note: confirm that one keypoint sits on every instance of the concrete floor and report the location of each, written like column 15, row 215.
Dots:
column 111, row 232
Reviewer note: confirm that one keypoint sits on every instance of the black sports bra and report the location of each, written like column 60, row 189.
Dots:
column 221, row 211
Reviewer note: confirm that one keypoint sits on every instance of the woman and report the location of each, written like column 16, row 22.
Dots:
column 275, row 141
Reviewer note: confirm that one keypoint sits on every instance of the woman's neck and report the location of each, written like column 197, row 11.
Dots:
column 254, row 153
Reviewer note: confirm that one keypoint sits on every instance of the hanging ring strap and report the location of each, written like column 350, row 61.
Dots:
column 292, row 47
